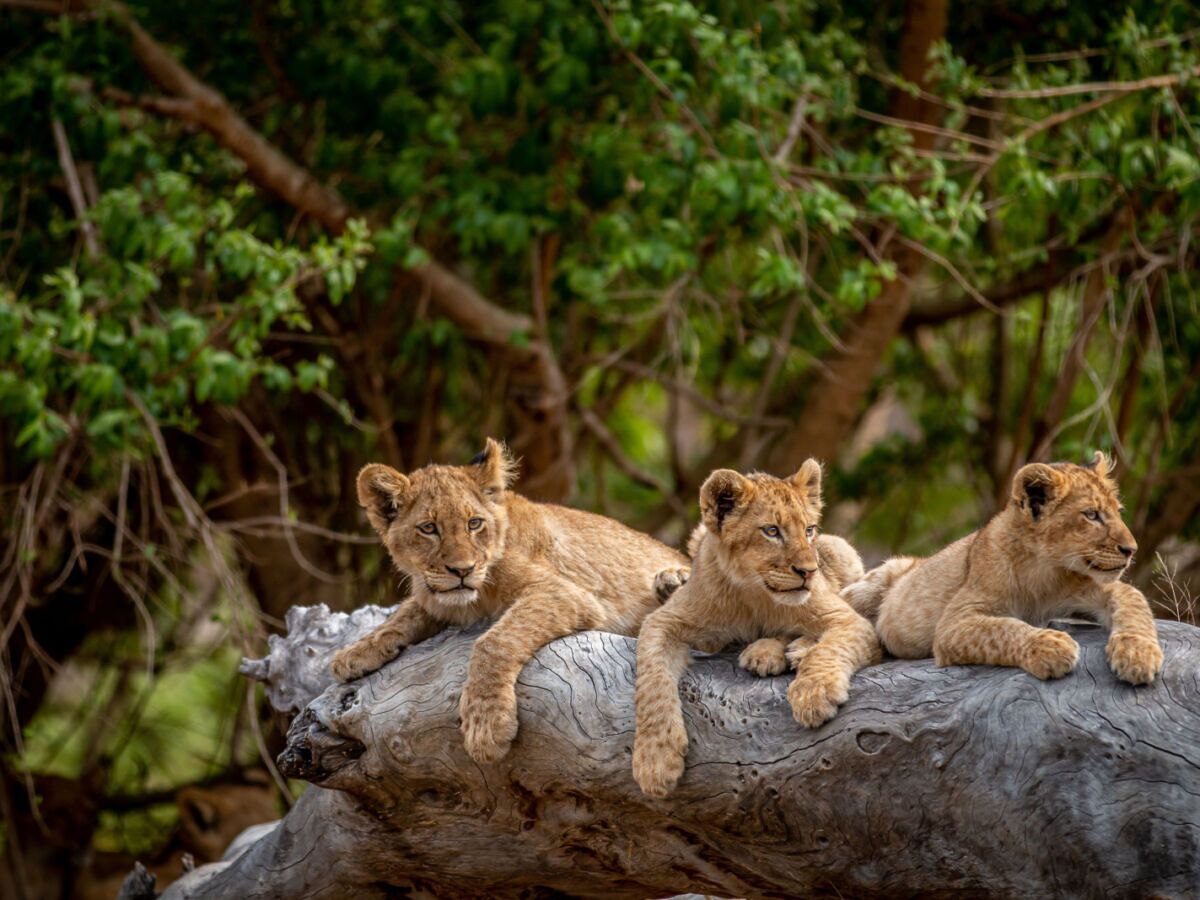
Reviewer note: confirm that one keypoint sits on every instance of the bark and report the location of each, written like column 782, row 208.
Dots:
column 962, row 781
column 924, row 26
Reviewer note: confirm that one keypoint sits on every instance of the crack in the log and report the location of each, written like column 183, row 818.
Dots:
column 313, row 752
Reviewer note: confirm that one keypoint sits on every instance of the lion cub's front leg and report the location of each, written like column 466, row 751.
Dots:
column 660, row 742
column 798, row 649
column 488, row 706
column 822, row 681
column 978, row 639
column 1133, row 651
column 409, row 624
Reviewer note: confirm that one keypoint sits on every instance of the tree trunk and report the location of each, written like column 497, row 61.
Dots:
column 962, row 781
column 835, row 398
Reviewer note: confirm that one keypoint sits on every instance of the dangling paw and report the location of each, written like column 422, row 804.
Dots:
column 489, row 725
column 658, row 758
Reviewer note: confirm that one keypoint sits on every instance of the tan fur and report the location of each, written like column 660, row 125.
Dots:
column 983, row 599
column 744, row 587
column 541, row 571
column 866, row 593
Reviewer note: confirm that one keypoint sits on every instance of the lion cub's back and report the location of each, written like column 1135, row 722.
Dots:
column 612, row 560
column 910, row 610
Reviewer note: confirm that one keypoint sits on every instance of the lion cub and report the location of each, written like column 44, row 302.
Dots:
column 759, row 573
column 1059, row 547
column 476, row 551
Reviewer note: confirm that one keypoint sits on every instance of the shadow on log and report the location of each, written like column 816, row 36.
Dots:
column 940, row 782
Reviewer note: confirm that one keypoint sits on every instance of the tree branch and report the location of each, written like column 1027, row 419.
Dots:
column 75, row 188
column 836, row 394
column 899, row 795
column 540, row 395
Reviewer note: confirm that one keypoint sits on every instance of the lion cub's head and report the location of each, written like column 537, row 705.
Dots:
column 764, row 527
column 443, row 525
column 1074, row 515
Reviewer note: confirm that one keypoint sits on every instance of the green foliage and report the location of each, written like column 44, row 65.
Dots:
column 174, row 314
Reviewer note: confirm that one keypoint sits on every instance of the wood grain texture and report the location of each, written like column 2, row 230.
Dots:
column 963, row 781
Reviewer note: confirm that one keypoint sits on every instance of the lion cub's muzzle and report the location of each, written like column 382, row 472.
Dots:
column 1109, row 563
column 456, row 584
column 793, row 588
column 1107, row 567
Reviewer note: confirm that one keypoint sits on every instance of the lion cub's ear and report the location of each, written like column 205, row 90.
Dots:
column 1035, row 487
column 494, row 467
column 1102, row 464
column 807, row 480
column 722, row 492
column 381, row 492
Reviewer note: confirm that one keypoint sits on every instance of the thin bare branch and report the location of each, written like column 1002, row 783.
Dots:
column 75, row 189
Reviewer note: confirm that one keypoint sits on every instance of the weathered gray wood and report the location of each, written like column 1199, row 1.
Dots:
column 296, row 667
column 944, row 782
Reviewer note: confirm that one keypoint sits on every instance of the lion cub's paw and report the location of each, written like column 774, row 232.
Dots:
column 1050, row 654
column 798, row 649
column 359, row 659
column 668, row 581
column 658, row 760
column 764, row 657
column 489, row 725
column 1135, row 658
column 815, row 699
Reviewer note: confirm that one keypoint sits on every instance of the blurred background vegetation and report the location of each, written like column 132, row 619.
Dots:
column 246, row 248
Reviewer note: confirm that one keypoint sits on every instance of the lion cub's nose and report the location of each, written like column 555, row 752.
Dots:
column 461, row 573
column 803, row 573
column 1127, row 551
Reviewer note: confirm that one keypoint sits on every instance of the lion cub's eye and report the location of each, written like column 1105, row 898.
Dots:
column 771, row 531
column 1092, row 515
column 427, row 528
column 475, row 524
column 810, row 532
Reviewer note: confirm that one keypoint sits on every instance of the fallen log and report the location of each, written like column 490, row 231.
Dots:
column 963, row 781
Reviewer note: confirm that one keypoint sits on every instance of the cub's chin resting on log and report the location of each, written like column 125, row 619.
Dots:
column 756, row 576
column 939, row 782
column 1058, row 549
column 475, row 551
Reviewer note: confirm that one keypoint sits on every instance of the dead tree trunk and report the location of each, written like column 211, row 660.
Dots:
column 940, row 782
